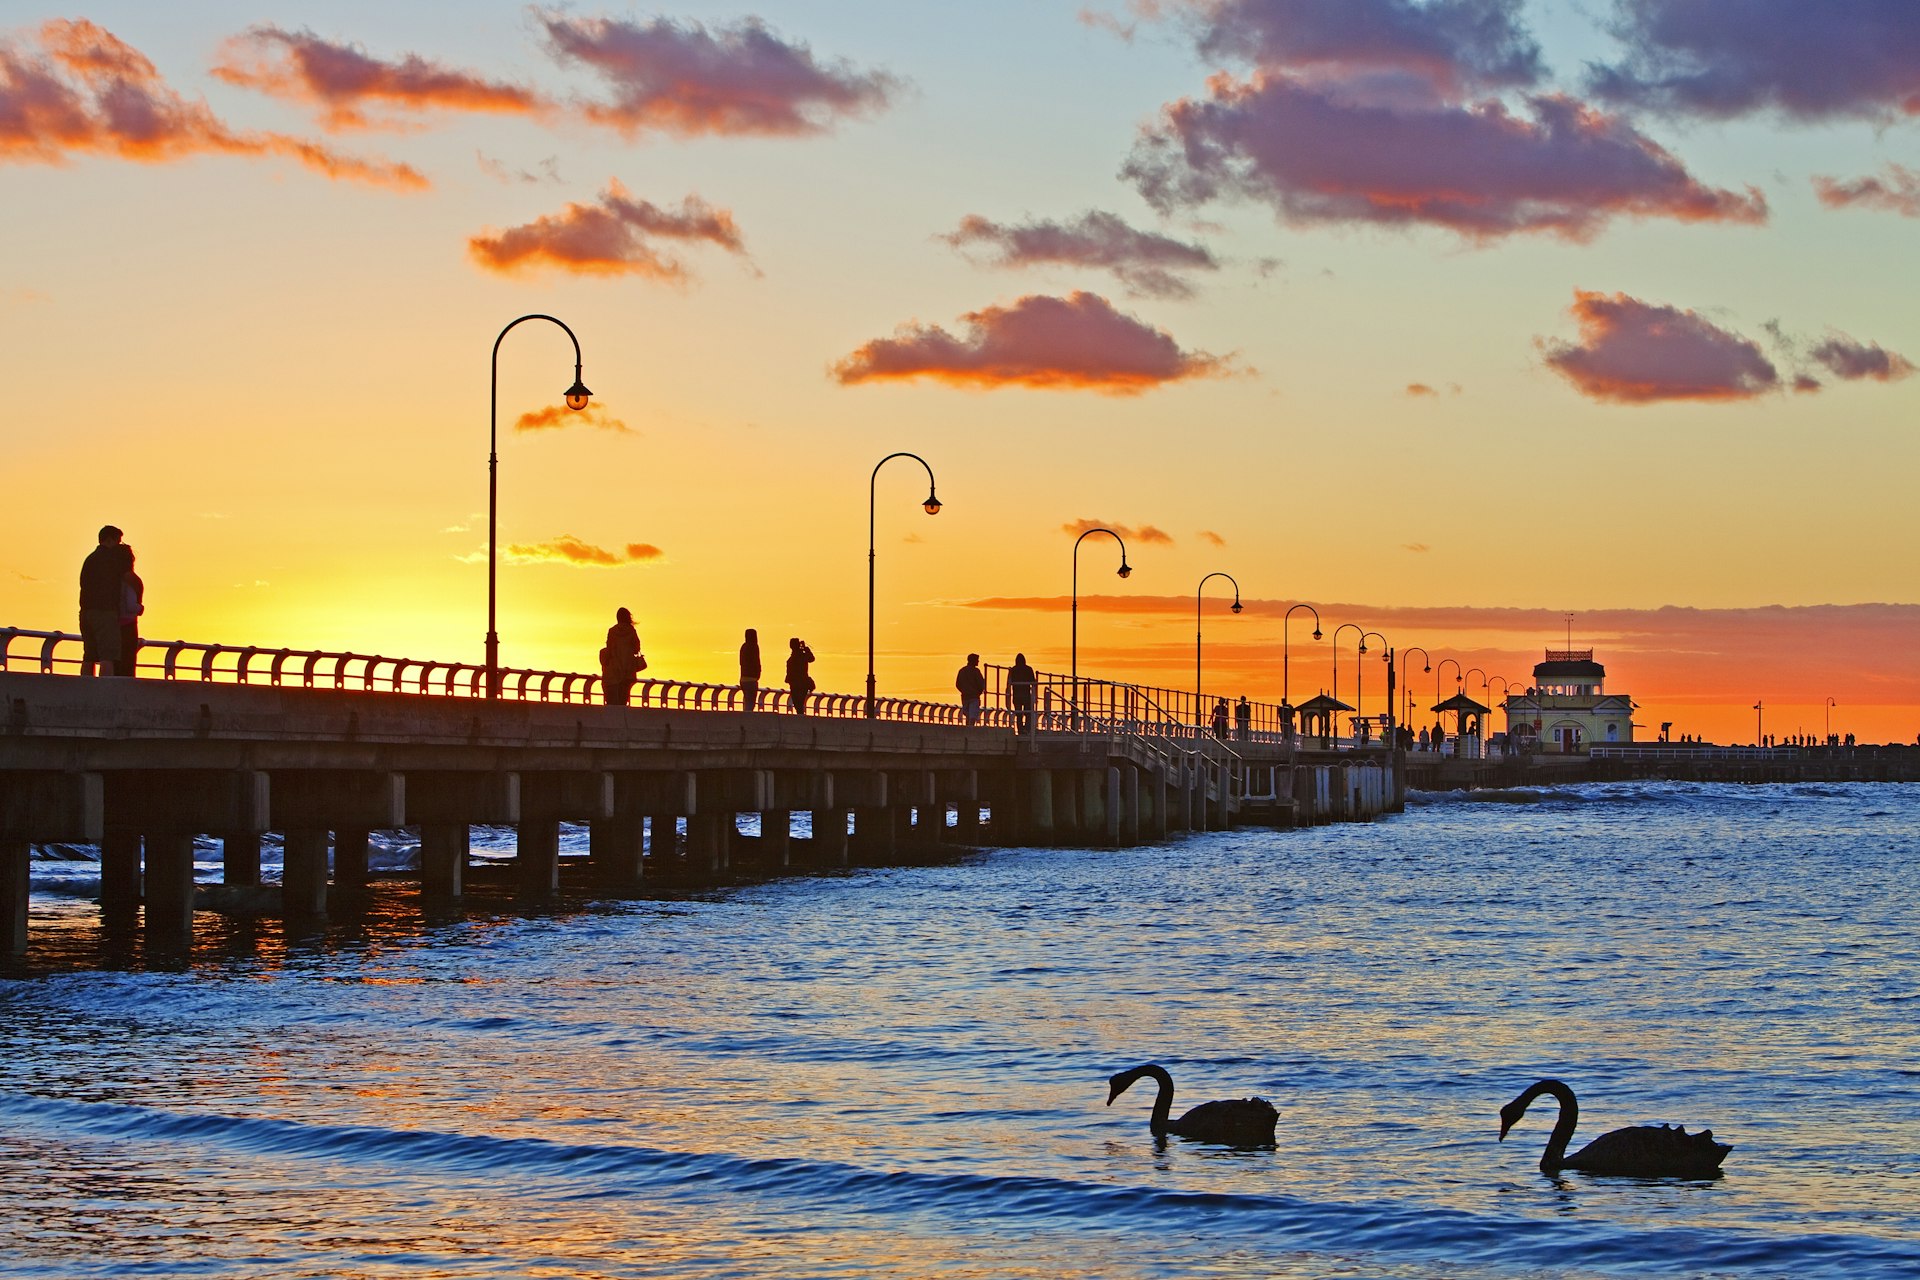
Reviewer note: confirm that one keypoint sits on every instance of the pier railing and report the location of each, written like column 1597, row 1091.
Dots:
column 1087, row 707
column 59, row 653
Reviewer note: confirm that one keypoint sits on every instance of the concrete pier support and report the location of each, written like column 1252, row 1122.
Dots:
column 1105, row 792
column 240, row 857
column 663, row 844
column 169, row 871
column 830, row 837
column 962, row 787
column 616, row 848
column 122, row 883
column 1037, row 818
column 303, row 876
column 776, row 838
column 443, row 859
column 40, row 806
column 15, row 883
column 350, row 869
column 706, row 843
column 1129, row 792
column 874, row 832
column 537, row 856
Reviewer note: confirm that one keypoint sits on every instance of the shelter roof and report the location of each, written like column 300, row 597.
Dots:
column 1461, row 702
column 1321, row 702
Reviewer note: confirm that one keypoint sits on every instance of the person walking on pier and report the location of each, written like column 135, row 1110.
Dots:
column 620, row 661
column 1021, row 683
column 750, row 671
column 1243, row 719
column 102, row 581
column 972, row 684
column 1220, row 719
column 799, row 679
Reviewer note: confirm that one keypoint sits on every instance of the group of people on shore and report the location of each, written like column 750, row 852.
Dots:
column 112, row 598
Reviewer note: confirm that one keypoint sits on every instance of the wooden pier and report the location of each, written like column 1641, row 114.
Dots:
column 141, row 767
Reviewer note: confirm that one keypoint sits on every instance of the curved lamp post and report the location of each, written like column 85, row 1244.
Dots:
column 577, row 396
column 1463, row 687
column 1125, row 570
column 1336, row 653
column 1286, row 657
column 1199, row 690
column 1426, row 660
column 1439, row 673
column 1360, row 670
column 1831, row 704
column 932, row 508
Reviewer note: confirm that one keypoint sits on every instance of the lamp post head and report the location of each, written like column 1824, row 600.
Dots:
column 932, row 504
column 1236, row 606
column 1316, row 633
column 1427, row 670
column 1363, row 646
column 1125, row 570
column 577, row 394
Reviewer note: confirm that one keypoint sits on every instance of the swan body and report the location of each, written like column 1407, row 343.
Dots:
column 1240, row 1122
column 1642, row 1151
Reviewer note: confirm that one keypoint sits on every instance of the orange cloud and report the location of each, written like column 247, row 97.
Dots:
column 567, row 549
column 1076, row 342
column 556, row 416
column 1420, row 389
column 1145, row 533
column 612, row 237
column 85, row 91
column 342, row 80
column 1212, row 538
column 684, row 79
column 1634, row 352
column 1898, row 191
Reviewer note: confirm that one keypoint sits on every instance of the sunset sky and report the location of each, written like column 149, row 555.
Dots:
column 1450, row 318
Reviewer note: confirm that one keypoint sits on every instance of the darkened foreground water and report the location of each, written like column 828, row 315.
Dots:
column 901, row 1072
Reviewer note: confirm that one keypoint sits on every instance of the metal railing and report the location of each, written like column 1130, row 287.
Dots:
column 1166, row 720
column 59, row 653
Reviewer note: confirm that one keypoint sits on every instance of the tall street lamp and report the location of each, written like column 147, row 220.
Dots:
column 1831, row 704
column 932, row 508
column 1439, row 674
column 1125, row 571
column 1360, row 670
column 1199, row 690
column 1336, row 652
column 1426, row 661
column 577, row 396
column 1759, row 724
column 1286, row 657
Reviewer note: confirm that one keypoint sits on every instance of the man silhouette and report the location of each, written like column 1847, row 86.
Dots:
column 103, row 576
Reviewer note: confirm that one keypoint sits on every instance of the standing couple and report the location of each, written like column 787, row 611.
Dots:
column 799, row 680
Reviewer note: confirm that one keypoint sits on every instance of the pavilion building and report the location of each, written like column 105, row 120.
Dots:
column 1567, row 709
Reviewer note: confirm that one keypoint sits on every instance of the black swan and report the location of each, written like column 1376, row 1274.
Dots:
column 1643, row 1151
column 1242, row 1122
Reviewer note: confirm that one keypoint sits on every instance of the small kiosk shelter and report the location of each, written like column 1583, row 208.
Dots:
column 1471, row 716
column 1320, row 710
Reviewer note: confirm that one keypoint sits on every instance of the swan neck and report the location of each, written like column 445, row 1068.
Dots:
column 1555, row 1154
column 1162, row 1100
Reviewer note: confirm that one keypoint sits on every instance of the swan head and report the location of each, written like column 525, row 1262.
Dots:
column 1510, row 1116
column 1120, row 1081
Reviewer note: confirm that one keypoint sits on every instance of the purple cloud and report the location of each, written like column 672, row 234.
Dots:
column 1146, row 262
column 1810, row 61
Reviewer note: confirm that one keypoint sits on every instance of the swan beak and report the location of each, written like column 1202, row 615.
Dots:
column 1504, row 1126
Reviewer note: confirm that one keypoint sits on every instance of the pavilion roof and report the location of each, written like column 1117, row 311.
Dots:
column 1320, row 703
column 1461, row 702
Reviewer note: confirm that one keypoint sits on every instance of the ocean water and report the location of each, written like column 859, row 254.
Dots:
column 901, row 1072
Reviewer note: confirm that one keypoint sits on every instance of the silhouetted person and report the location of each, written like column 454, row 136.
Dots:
column 133, row 603
column 103, row 576
column 1243, row 719
column 750, row 671
column 1021, row 684
column 1439, row 737
column 799, row 679
column 1220, row 718
column 972, row 684
column 620, row 661
column 1423, row 739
